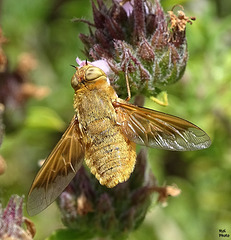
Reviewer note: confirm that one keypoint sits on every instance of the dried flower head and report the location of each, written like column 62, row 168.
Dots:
column 165, row 192
column 178, row 23
column 12, row 220
column 134, row 38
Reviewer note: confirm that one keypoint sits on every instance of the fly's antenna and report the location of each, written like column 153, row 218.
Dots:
column 73, row 66
column 86, row 62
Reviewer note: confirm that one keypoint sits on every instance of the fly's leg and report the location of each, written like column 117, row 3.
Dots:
column 128, row 86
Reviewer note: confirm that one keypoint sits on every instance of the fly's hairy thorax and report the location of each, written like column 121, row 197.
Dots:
column 109, row 154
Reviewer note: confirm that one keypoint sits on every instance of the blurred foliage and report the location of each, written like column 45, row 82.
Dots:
column 44, row 29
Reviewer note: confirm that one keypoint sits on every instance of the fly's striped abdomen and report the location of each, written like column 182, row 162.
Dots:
column 110, row 157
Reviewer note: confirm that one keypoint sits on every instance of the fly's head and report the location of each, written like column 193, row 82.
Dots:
column 88, row 76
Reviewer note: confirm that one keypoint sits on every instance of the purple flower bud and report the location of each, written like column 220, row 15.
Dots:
column 107, row 212
column 11, row 221
column 136, row 39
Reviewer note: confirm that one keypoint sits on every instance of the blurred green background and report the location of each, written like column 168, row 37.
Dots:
column 44, row 29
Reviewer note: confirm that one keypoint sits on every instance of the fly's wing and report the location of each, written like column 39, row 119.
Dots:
column 159, row 130
column 58, row 170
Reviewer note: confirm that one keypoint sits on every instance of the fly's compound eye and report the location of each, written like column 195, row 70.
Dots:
column 93, row 73
column 74, row 82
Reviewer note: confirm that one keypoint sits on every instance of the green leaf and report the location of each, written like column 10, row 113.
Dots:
column 43, row 117
column 69, row 234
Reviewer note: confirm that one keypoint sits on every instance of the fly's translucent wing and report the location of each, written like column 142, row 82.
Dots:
column 159, row 130
column 58, row 170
